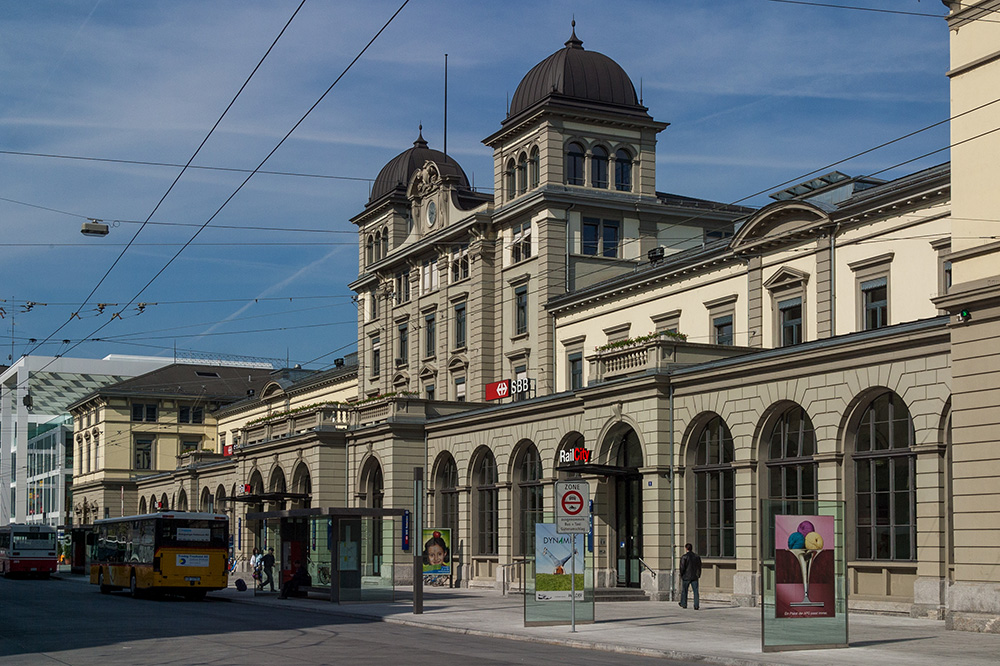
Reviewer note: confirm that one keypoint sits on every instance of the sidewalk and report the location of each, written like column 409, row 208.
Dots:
column 716, row 634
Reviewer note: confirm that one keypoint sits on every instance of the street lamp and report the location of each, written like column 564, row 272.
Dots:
column 94, row 227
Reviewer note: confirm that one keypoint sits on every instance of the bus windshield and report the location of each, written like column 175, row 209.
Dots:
column 34, row 540
column 204, row 533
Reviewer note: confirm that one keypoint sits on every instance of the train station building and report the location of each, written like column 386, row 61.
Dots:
column 690, row 359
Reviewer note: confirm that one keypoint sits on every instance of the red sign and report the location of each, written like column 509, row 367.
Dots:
column 572, row 503
column 246, row 488
column 227, row 450
column 498, row 390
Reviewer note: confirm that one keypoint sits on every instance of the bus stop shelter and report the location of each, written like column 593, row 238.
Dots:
column 347, row 551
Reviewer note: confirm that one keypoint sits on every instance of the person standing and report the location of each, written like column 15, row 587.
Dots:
column 690, row 573
column 267, row 563
column 255, row 566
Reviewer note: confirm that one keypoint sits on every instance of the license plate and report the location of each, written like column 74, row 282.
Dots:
column 192, row 579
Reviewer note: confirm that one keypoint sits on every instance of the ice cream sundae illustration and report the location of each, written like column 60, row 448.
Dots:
column 805, row 544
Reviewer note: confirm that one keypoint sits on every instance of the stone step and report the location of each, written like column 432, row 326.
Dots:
column 620, row 594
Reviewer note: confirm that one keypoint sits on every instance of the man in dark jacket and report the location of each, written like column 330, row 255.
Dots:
column 690, row 573
column 300, row 578
column 267, row 564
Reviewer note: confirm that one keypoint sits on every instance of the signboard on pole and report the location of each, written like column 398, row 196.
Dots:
column 572, row 500
column 559, row 567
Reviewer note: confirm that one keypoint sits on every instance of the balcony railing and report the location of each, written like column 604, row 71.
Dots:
column 651, row 355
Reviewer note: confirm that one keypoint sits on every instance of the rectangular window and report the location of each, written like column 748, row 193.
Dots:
column 403, row 350
column 189, row 445
column 601, row 237
column 520, row 310
column 790, row 315
column 141, row 412
column 376, row 355
column 373, row 304
column 459, row 263
column 429, row 391
column 460, row 326
column 460, row 389
column 430, row 336
column 875, row 299
column 402, row 287
column 143, row 454
column 187, row 414
column 723, row 327
column 576, row 371
column 429, row 278
column 520, row 248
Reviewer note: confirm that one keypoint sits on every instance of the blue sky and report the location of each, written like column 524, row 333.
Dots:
column 756, row 93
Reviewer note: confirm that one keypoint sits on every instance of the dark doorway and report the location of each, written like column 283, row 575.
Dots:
column 628, row 510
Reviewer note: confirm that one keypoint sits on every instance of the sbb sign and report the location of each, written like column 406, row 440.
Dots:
column 574, row 455
column 507, row 387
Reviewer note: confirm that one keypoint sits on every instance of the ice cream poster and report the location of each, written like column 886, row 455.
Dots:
column 553, row 563
column 804, row 566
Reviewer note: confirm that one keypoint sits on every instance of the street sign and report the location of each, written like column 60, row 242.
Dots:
column 572, row 498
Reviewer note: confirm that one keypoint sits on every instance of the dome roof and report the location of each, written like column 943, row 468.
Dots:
column 577, row 73
column 397, row 172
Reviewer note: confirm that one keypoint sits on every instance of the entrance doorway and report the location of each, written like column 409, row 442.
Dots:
column 628, row 509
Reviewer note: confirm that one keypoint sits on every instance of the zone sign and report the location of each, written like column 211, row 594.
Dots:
column 572, row 500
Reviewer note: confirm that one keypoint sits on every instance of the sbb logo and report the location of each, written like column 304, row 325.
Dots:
column 498, row 390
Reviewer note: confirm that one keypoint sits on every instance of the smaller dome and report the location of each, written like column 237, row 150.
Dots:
column 576, row 73
column 398, row 171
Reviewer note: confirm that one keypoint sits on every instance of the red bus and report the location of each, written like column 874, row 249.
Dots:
column 28, row 550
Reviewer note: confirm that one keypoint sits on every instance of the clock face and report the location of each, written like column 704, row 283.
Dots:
column 431, row 213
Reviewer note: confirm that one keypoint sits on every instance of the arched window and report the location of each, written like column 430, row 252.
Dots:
column 446, row 494
column 385, row 243
column 301, row 485
column 182, row 501
column 528, row 478
column 791, row 470
column 371, row 249
column 510, row 175
column 574, row 164
column 533, row 167
column 885, row 482
column 97, row 451
column 623, row 171
column 522, row 174
column 206, row 501
column 142, row 505
column 378, row 245
column 487, row 510
column 220, row 498
column 599, row 167
column 715, row 491
column 86, row 458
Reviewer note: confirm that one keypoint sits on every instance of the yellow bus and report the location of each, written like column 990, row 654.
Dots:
column 172, row 552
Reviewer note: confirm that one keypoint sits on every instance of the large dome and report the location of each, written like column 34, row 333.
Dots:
column 397, row 173
column 576, row 73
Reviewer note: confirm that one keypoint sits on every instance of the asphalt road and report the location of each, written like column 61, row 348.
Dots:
column 66, row 621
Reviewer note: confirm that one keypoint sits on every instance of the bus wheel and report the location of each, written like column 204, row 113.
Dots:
column 105, row 589
column 133, row 587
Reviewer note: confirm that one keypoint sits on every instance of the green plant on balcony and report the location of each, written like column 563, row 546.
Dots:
column 642, row 339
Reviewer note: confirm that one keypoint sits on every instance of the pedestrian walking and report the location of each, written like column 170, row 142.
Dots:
column 690, row 573
column 267, row 563
column 256, row 561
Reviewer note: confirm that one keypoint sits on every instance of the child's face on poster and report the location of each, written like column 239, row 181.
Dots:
column 435, row 554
